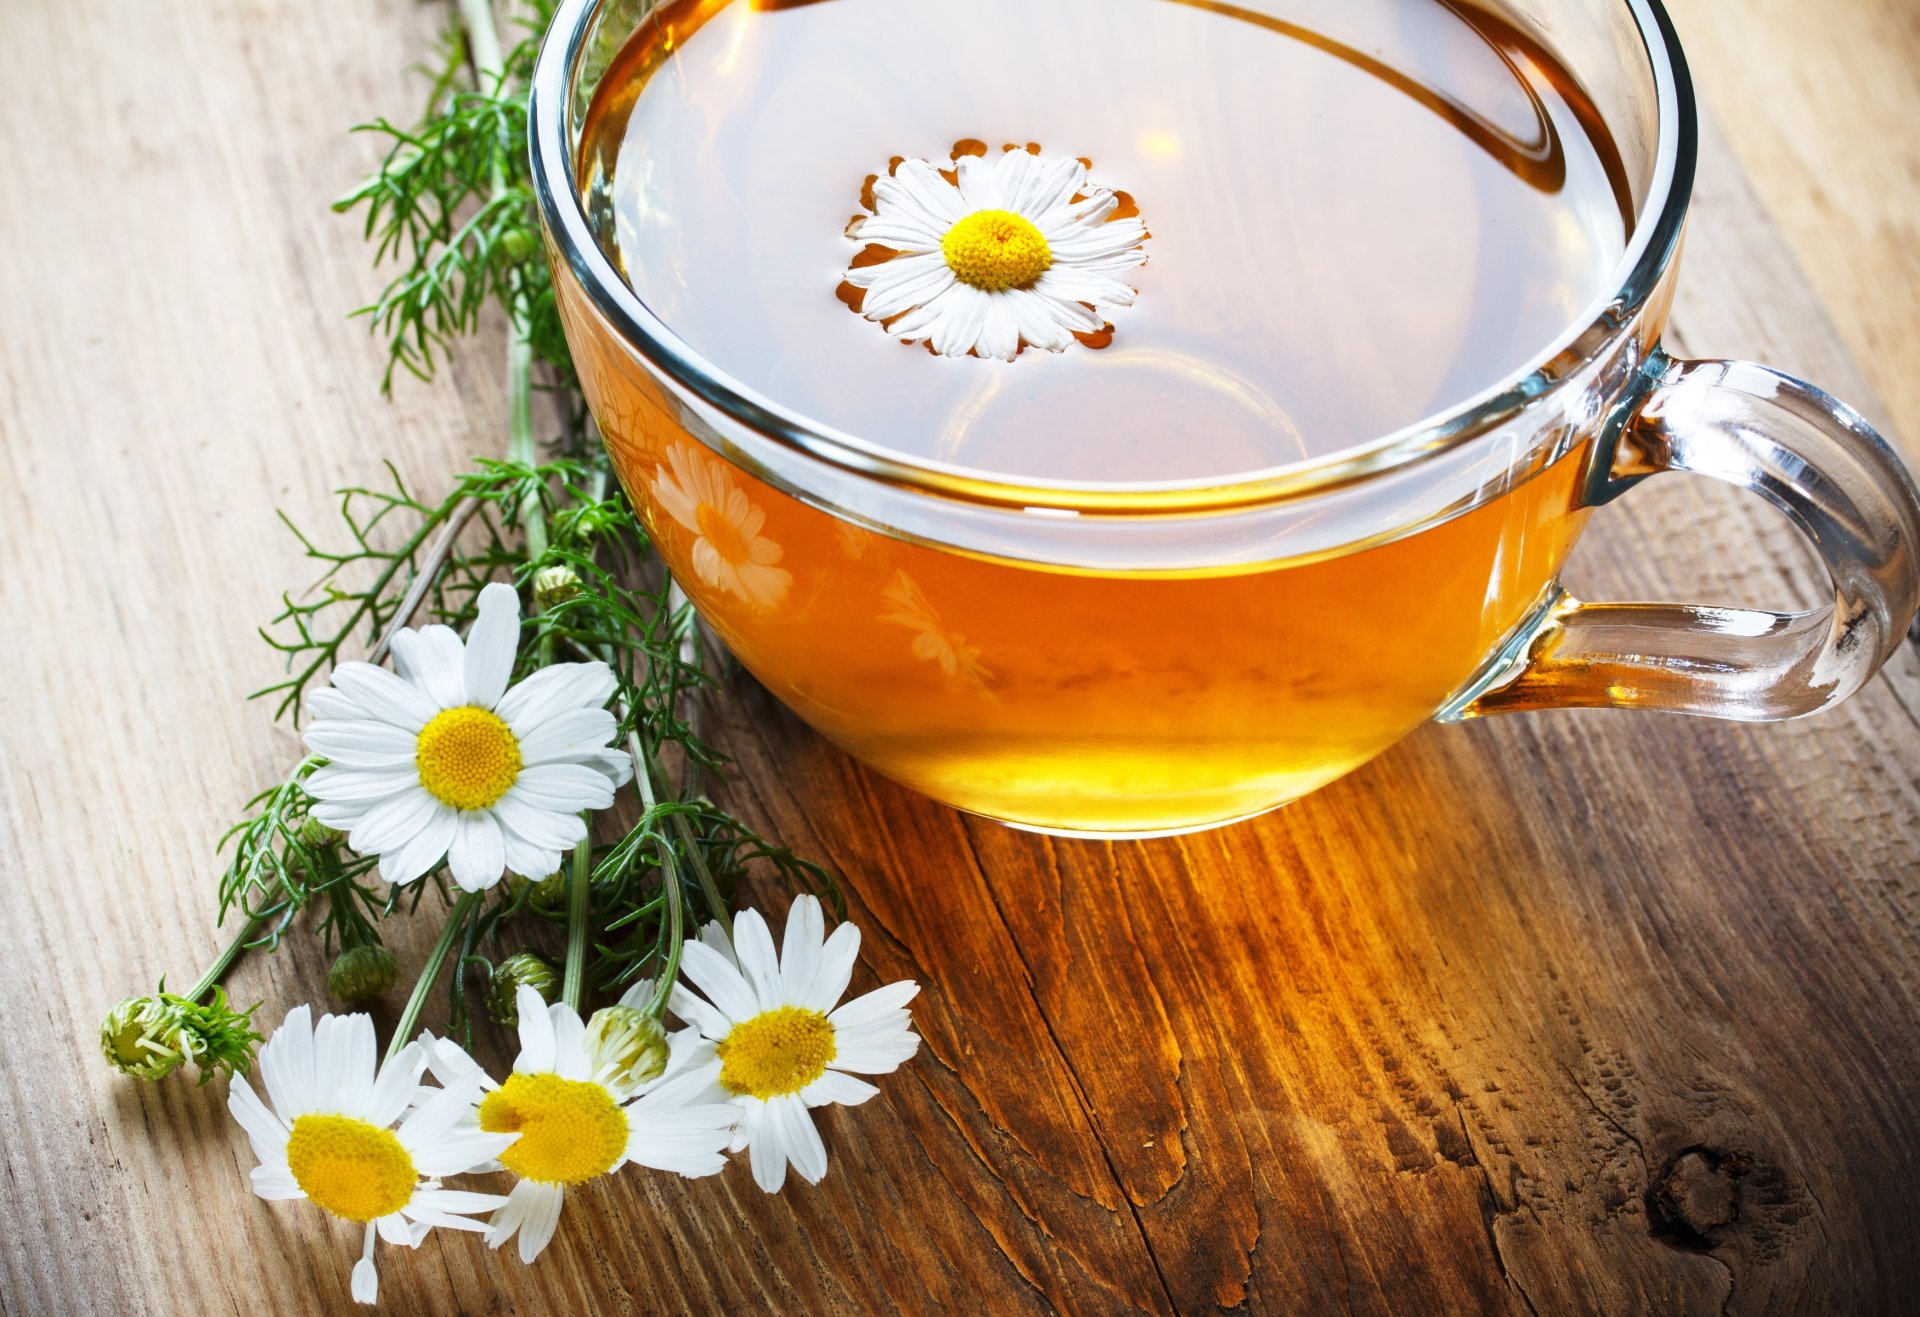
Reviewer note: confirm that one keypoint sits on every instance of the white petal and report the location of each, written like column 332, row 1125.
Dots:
column 719, row 980
column 874, row 1006
column 543, row 1215
column 800, row 946
column 575, row 729
column 563, row 788
column 275, row 1184
column 434, row 660
column 1000, row 333
column 922, row 185
column 439, row 1111
column 837, row 959
column 265, row 1131
column 385, row 696
column 478, row 855
column 544, row 828
column 979, row 183
column 766, row 1152
column 394, row 1087
column 877, row 1057
column 759, row 964
column 569, row 1049
column 552, row 691
column 365, row 1284
column 700, row 1014
column 420, row 852
column 286, row 1065
column 491, row 644
column 363, row 743
column 326, row 702
column 536, row 1033
column 335, row 782
column 799, row 1137
column 836, row 1089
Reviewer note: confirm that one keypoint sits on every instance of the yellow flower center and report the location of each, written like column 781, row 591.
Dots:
column 353, row 1169
column 570, row 1130
column 467, row 757
column 722, row 534
column 996, row 250
column 776, row 1052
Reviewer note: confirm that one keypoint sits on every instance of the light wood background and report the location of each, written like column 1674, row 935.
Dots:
column 1559, row 1013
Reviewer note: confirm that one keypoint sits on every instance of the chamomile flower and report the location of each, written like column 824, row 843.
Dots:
column 581, row 1112
column 729, row 552
column 330, row 1135
column 783, row 1044
column 443, row 759
column 1017, row 249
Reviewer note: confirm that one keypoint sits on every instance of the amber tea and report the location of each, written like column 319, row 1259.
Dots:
column 1093, row 241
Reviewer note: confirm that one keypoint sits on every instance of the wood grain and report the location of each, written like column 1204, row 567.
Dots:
column 1558, row 1013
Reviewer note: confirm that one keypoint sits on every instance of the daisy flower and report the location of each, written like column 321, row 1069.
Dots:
column 581, row 1114
column 1016, row 249
column 330, row 1135
column 783, row 1045
column 443, row 759
column 729, row 552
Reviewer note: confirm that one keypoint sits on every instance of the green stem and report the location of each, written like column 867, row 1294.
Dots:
column 429, row 972
column 217, row 971
column 645, row 770
column 676, row 934
column 573, row 984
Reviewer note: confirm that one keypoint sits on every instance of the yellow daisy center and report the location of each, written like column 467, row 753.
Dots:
column 569, row 1130
column 351, row 1168
column 722, row 534
column 776, row 1052
column 996, row 250
column 467, row 757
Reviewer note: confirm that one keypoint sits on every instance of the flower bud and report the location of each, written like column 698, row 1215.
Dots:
column 554, row 585
column 315, row 834
column 360, row 974
column 626, row 1047
column 549, row 895
column 145, row 1037
column 529, row 968
column 517, row 245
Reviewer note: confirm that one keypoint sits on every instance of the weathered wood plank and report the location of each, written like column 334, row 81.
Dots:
column 1569, row 1012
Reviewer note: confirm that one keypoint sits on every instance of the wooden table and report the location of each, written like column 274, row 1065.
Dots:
column 1562, row 1013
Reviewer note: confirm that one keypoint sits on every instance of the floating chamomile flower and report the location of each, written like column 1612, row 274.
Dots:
column 444, row 760
column 782, row 1043
column 581, row 1112
column 330, row 1134
column 1017, row 249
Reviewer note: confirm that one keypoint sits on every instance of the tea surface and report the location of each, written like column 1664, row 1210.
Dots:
column 1360, row 213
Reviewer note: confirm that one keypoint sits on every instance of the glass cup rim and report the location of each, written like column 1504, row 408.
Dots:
column 1633, row 280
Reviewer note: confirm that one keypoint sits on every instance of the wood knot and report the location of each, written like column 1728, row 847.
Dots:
column 1695, row 1197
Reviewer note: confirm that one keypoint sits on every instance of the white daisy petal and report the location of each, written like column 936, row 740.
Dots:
column 573, row 729
column 478, row 855
column 700, row 1014
column 394, row 1229
column 357, row 785
column 543, row 1215
column 362, row 742
column 799, row 1136
column 365, row 1284
column 434, row 660
column 265, row 1131
column 286, row 1065
column 564, row 788
column 837, row 959
column 275, row 1184
column 800, row 947
column 544, row 828
column 871, row 1007
column 488, row 662
column 384, row 696
column 552, row 691
column 879, row 1057
column 979, row 183
column 759, row 963
column 923, row 183
column 326, row 702
column 524, row 858
column 423, row 849
column 569, row 1034
column 723, row 985
column 835, row 1088
column 536, row 1033
column 767, row 1152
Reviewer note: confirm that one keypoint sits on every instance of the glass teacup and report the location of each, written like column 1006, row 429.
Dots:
column 1138, row 658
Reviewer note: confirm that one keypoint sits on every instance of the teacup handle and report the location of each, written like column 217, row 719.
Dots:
column 1809, row 455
